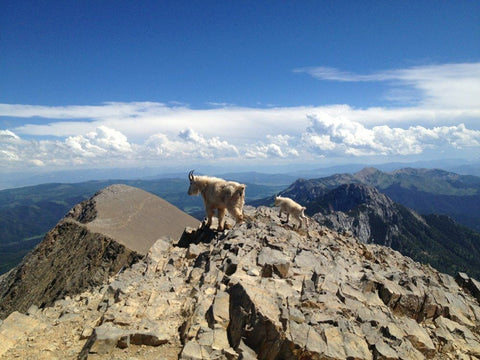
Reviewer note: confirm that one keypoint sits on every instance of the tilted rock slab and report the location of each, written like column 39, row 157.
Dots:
column 263, row 290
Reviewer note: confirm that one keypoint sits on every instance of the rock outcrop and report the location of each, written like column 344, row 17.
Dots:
column 97, row 238
column 362, row 210
column 261, row 290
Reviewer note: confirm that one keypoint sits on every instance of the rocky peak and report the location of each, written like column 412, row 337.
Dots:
column 97, row 238
column 366, row 174
column 349, row 196
column 304, row 190
column 261, row 290
column 360, row 209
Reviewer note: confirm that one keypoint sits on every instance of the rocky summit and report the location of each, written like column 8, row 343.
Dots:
column 96, row 239
column 261, row 290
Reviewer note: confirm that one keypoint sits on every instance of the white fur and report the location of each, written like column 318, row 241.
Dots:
column 290, row 207
column 219, row 194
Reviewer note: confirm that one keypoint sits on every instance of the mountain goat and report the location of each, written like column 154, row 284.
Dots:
column 290, row 207
column 218, row 194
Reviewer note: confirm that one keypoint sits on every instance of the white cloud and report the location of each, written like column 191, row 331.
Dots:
column 280, row 147
column 97, row 147
column 350, row 138
column 333, row 74
column 103, row 111
column 8, row 136
column 37, row 162
column 9, row 145
column 446, row 85
column 264, row 152
column 206, row 148
column 324, row 137
column 236, row 124
column 159, row 145
column 187, row 145
column 280, row 139
column 99, row 142
column 446, row 118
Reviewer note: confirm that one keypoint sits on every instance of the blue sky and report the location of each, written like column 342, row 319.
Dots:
column 156, row 83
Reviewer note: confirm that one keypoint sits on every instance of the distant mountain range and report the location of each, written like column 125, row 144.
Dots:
column 427, row 191
column 285, row 174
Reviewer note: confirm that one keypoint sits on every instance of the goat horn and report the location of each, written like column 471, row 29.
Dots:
column 190, row 175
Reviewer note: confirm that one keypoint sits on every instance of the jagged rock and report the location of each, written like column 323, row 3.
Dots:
column 15, row 328
column 150, row 338
column 273, row 261
column 105, row 338
column 383, row 351
column 331, row 298
column 191, row 351
column 469, row 284
column 219, row 311
column 418, row 337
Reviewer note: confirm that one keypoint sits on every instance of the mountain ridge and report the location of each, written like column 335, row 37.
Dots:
column 97, row 238
column 425, row 191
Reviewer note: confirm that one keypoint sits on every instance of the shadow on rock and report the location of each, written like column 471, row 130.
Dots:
column 202, row 234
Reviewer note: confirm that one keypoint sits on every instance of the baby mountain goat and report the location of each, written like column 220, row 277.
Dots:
column 218, row 194
column 290, row 207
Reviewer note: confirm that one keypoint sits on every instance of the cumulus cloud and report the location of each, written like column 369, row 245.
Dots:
column 8, row 136
column 97, row 147
column 9, row 144
column 323, row 137
column 159, row 145
column 280, row 139
column 188, row 144
column 236, row 124
column 98, row 143
column 353, row 139
column 444, row 117
column 280, row 147
column 207, row 148
column 264, row 151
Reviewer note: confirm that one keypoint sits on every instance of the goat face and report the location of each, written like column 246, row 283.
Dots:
column 193, row 189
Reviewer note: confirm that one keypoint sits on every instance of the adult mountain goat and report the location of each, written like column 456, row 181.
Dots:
column 218, row 194
column 290, row 207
